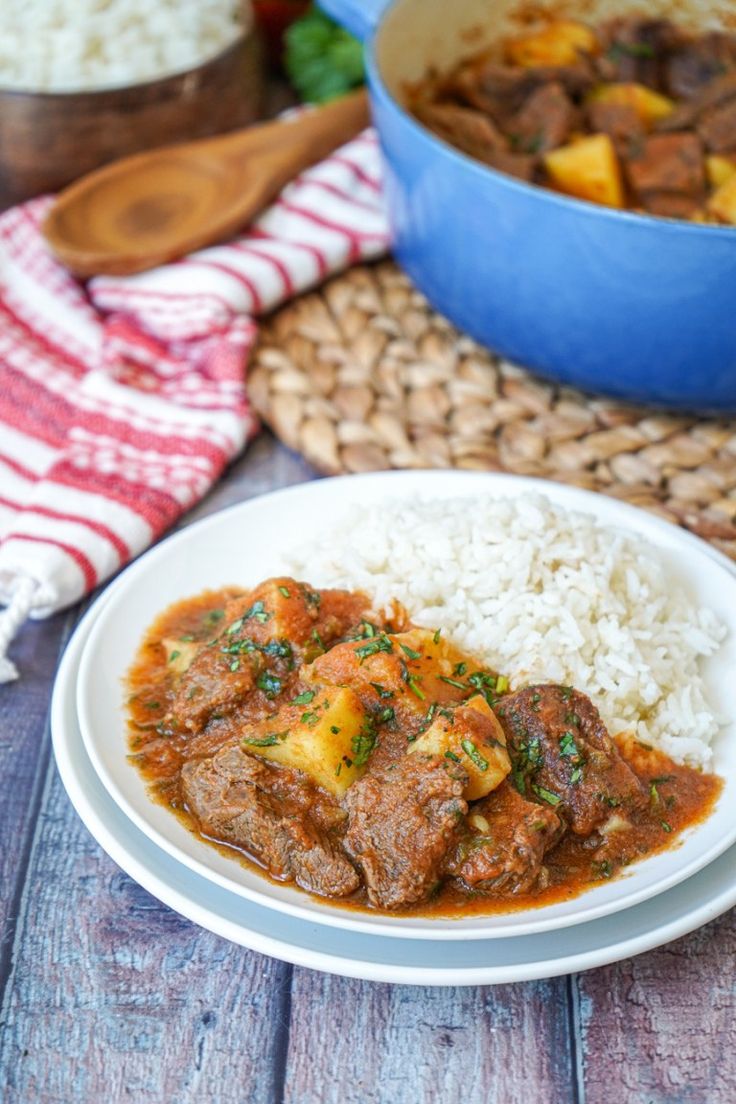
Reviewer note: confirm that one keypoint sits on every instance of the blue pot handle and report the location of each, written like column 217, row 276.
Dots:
column 359, row 16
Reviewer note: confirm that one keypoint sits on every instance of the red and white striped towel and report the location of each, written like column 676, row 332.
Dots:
column 122, row 401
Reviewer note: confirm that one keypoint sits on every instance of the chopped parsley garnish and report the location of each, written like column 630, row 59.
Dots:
column 187, row 638
column 410, row 652
column 474, row 755
column 436, row 637
column 386, row 715
column 153, row 705
column 453, row 682
column 620, row 50
column 312, row 598
column 451, row 755
column 215, row 615
column 280, row 649
column 338, row 768
column 412, row 681
column 568, row 747
column 546, row 795
column 174, row 655
column 376, row 644
column 318, row 640
column 459, row 669
column 270, row 740
column 653, row 793
column 667, row 827
column 363, row 744
column 310, row 718
column 576, row 775
column 381, row 690
column 257, row 612
column 305, row 698
column 566, row 693
column 234, row 664
column 285, row 592
column 602, row 869
column 334, row 730
column 269, row 683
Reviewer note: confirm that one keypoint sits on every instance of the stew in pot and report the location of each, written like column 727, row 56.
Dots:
column 633, row 113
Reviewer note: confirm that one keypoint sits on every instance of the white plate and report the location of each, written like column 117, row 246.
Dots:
column 373, row 958
column 246, row 544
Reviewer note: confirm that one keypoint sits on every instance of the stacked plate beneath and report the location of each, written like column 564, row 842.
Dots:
column 286, row 924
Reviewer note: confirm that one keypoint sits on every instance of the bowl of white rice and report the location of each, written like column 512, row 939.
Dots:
column 84, row 82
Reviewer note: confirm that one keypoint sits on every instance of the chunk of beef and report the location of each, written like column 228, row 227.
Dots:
column 687, row 115
column 502, row 90
column 717, row 127
column 670, row 205
column 506, row 856
column 563, row 756
column 638, row 49
column 667, row 163
column 469, row 130
column 545, row 121
column 695, row 62
column 620, row 122
column 212, row 686
column 403, row 820
column 274, row 814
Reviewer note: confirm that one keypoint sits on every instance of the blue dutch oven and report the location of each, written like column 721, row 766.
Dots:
column 634, row 306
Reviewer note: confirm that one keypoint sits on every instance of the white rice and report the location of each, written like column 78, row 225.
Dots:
column 70, row 45
column 540, row 594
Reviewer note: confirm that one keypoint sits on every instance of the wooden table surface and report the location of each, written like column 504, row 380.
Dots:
column 109, row 996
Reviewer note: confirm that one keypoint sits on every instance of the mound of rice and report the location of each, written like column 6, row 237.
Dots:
column 540, row 594
column 65, row 45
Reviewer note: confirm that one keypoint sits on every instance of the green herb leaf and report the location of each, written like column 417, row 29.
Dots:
column 546, row 795
column 269, row 683
column 376, row 644
column 410, row 652
column 174, row 655
column 451, row 755
column 474, row 755
column 270, row 740
column 321, row 59
column 363, row 744
column 284, row 591
column 453, row 682
column 305, row 698
column 436, row 637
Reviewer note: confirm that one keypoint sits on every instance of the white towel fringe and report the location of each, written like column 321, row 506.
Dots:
column 11, row 620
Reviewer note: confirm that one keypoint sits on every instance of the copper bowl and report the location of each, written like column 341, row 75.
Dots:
column 48, row 139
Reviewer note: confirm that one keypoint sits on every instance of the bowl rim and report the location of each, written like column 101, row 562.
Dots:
column 632, row 219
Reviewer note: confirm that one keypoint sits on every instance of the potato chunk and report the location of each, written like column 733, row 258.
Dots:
column 723, row 201
column 719, row 169
column 326, row 733
column 559, row 43
column 470, row 735
column 179, row 653
column 587, row 169
column 648, row 105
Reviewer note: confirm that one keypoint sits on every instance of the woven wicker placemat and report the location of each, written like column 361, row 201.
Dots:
column 363, row 375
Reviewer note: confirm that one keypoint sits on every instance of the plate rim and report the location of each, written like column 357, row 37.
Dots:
column 354, row 967
column 334, row 917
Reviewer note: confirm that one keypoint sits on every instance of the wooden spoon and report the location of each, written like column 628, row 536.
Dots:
column 150, row 208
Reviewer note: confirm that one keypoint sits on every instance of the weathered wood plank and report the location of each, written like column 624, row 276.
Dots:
column 661, row 1028
column 354, row 1042
column 115, row 997
column 23, row 755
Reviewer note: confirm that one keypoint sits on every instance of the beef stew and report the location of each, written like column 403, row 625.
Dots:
column 374, row 764
column 634, row 113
